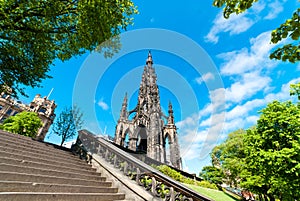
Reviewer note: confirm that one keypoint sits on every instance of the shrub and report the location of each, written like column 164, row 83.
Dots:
column 170, row 172
column 206, row 184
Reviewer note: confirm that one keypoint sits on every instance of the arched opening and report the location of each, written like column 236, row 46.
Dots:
column 167, row 149
column 125, row 139
column 141, row 145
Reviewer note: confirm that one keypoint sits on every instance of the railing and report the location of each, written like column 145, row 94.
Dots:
column 151, row 179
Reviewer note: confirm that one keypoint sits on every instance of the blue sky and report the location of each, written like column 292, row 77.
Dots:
column 216, row 72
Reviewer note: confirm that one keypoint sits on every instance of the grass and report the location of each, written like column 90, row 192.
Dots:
column 213, row 194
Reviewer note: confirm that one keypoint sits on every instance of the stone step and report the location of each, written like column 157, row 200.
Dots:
column 19, row 162
column 35, row 145
column 16, row 176
column 30, row 142
column 18, row 186
column 38, row 196
column 19, row 138
column 47, row 172
column 49, row 152
column 49, row 155
column 45, row 159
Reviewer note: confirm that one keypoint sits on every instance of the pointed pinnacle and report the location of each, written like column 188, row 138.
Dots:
column 149, row 59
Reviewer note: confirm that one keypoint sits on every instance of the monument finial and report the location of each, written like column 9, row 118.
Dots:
column 149, row 59
column 123, row 114
column 171, row 116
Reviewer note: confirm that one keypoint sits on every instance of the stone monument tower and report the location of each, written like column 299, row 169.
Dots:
column 149, row 129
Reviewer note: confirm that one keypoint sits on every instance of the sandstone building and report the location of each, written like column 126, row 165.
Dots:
column 149, row 129
column 42, row 106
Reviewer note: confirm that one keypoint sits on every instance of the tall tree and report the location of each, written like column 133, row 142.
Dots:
column 24, row 123
column 33, row 33
column 273, row 152
column 67, row 123
column 295, row 90
column 290, row 28
column 229, row 157
column 212, row 174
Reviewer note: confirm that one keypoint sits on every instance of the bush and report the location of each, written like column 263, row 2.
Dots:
column 188, row 180
column 170, row 172
column 178, row 177
column 206, row 184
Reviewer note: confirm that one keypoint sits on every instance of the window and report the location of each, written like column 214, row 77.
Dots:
column 1, row 120
column 9, row 111
column 43, row 110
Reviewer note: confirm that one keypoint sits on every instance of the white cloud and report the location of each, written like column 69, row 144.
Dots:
column 237, row 24
column 190, row 152
column 204, row 78
column 217, row 98
column 103, row 105
column 275, row 8
column 258, row 7
column 199, row 144
column 243, row 110
column 283, row 94
column 234, row 25
column 213, row 119
column 252, row 119
column 245, row 60
column 190, row 121
column 249, row 85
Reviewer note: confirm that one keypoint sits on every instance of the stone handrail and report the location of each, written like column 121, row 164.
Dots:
column 146, row 176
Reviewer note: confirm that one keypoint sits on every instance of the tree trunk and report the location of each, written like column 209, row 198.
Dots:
column 64, row 135
column 272, row 198
column 62, row 141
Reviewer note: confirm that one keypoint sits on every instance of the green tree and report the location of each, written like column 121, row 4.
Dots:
column 229, row 157
column 273, row 152
column 290, row 29
column 295, row 90
column 34, row 33
column 68, row 123
column 24, row 123
column 212, row 174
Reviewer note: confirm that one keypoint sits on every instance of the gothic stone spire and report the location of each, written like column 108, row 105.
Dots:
column 148, row 131
column 148, row 92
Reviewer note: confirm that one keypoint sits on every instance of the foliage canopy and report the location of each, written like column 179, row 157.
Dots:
column 24, row 123
column 273, row 152
column 229, row 157
column 33, row 33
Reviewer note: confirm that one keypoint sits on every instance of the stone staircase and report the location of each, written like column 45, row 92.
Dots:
column 32, row 170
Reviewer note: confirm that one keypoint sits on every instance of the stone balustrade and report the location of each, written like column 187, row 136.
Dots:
column 153, row 181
